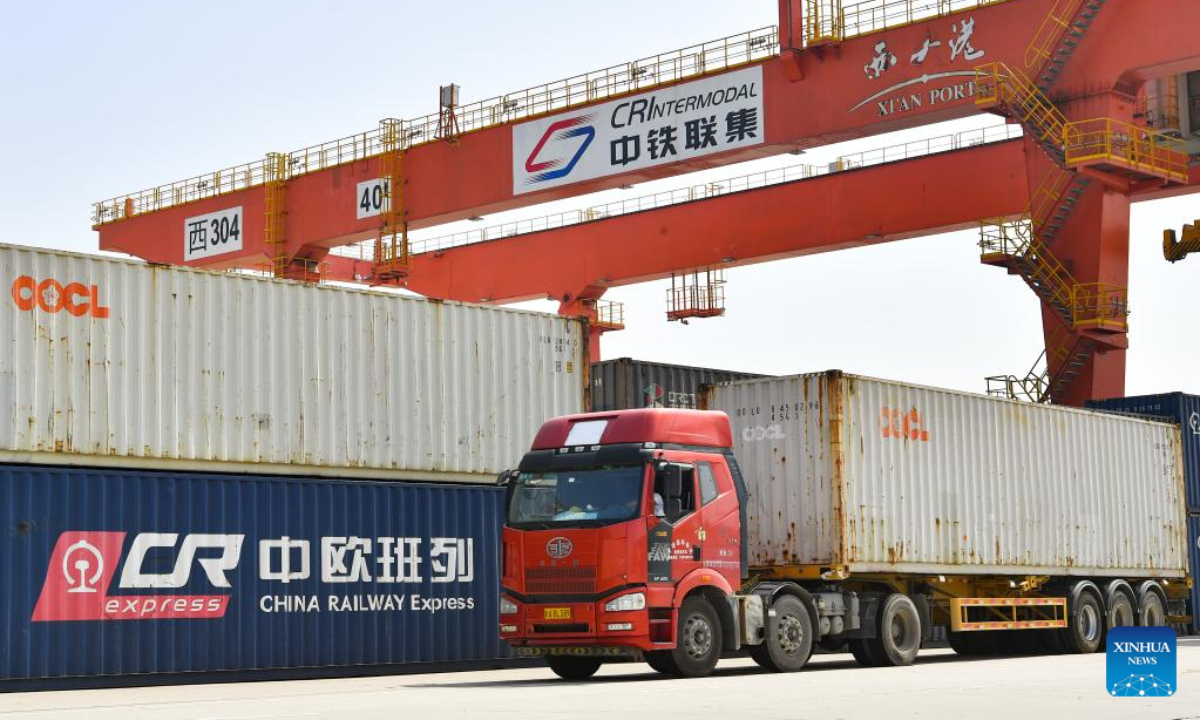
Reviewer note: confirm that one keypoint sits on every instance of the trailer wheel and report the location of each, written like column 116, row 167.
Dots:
column 898, row 637
column 964, row 643
column 698, row 640
column 1153, row 613
column 788, row 646
column 863, row 652
column 1120, row 611
column 573, row 668
column 1084, row 634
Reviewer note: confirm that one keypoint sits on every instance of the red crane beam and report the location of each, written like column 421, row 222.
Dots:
column 831, row 212
column 912, row 75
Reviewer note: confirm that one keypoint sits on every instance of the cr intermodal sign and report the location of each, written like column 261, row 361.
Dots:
column 684, row 121
column 114, row 572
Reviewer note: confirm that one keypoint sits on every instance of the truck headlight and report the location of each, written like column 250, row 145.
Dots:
column 632, row 601
column 507, row 607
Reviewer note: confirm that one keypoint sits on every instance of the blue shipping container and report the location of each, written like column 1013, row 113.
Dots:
column 1194, row 539
column 113, row 572
column 1180, row 408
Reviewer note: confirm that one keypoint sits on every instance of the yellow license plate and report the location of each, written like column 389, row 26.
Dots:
column 556, row 614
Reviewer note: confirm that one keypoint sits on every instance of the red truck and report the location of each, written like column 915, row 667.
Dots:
column 635, row 535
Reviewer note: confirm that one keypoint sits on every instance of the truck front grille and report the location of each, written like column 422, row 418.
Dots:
column 570, row 581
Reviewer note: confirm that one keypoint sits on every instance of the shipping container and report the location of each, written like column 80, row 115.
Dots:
column 1194, row 543
column 126, row 572
column 626, row 384
column 1179, row 408
column 116, row 363
column 879, row 476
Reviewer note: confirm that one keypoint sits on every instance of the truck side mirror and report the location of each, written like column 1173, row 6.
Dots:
column 504, row 477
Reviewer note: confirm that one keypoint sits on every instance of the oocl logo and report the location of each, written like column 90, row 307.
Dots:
column 52, row 296
column 558, row 133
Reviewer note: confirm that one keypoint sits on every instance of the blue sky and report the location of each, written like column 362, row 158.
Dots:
column 100, row 99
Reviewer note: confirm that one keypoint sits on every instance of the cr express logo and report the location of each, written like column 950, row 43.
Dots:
column 52, row 296
column 558, row 164
column 83, row 565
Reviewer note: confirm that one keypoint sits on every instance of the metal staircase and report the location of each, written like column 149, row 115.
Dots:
column 391, row 261
column 1052, row 373
column 1057, row 38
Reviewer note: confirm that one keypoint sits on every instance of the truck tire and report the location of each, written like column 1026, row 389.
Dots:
column 1120, row 611
column 698, row 639
column 788, row 646
column 964, row 643
column 661, row 661
column 898, row 634
column 1152, row 612
column 863, row 652
column 573, row 668
column 1085, row 626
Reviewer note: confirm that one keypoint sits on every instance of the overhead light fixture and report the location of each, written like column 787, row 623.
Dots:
column 475, row 218
column 797, row 152
column 728, row 260
column 625, row 187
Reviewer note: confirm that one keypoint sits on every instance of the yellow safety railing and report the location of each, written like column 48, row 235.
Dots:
column 1046, row 38
column 274, row 222
column 827, row 21
column 1048, row 195
column 690, row 62
column 609, row 315
column 997, row 84
column 1083, row 305
column 1111, row 141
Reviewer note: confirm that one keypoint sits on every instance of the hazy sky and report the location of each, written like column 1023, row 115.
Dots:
column 103, row 98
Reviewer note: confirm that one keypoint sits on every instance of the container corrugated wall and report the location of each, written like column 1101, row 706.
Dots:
column 196, row 366
column 626, row 384
column 1179, row 408
column 1194, row 543
column 887, row 477
column 286, row 573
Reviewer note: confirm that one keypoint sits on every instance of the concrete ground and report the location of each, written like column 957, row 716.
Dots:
column 939, row 685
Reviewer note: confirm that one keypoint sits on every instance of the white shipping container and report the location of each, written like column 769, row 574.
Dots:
column 880, row 476
column 113, row 362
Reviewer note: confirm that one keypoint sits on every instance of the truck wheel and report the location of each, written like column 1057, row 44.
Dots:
column 788, row 647
column 863, row 652
column 661, row 661
column 964, row 643
column 898, row 639
column 1153, row 613
column 1084, row 634
column 698, row 640
column 1120, row 612
column 573, row 668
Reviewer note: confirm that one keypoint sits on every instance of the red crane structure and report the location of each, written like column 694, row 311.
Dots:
column 1091, row 88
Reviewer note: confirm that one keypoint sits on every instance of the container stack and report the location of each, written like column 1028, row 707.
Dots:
column 218, row 472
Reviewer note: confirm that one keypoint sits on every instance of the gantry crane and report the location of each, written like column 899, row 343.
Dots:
column 1052, row 204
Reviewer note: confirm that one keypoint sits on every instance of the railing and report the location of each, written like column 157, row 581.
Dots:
column 723, row 54
column 1137, row 148
column 696, row 301
column 998, row 84
column 1048, row 33
column 1100, row 305
column 792, row 173
column 834, row 21
column 609, row 315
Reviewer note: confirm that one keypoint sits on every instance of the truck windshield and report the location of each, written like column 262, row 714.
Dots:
column 598, row 496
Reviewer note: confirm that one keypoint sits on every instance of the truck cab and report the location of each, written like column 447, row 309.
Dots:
column 616, row 524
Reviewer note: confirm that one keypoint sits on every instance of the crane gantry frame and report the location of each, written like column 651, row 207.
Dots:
column 1054, row 205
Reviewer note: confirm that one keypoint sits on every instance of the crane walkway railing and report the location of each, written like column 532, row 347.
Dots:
column 791, row 173
column 832, row 21
column 690, row 62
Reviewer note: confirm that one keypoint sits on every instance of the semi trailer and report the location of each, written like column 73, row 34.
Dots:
column 837, row 511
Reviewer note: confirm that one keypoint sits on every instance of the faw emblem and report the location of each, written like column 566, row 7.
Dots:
column 559, row 548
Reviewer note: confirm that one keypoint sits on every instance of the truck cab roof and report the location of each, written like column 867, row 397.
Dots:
column 657, row 425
